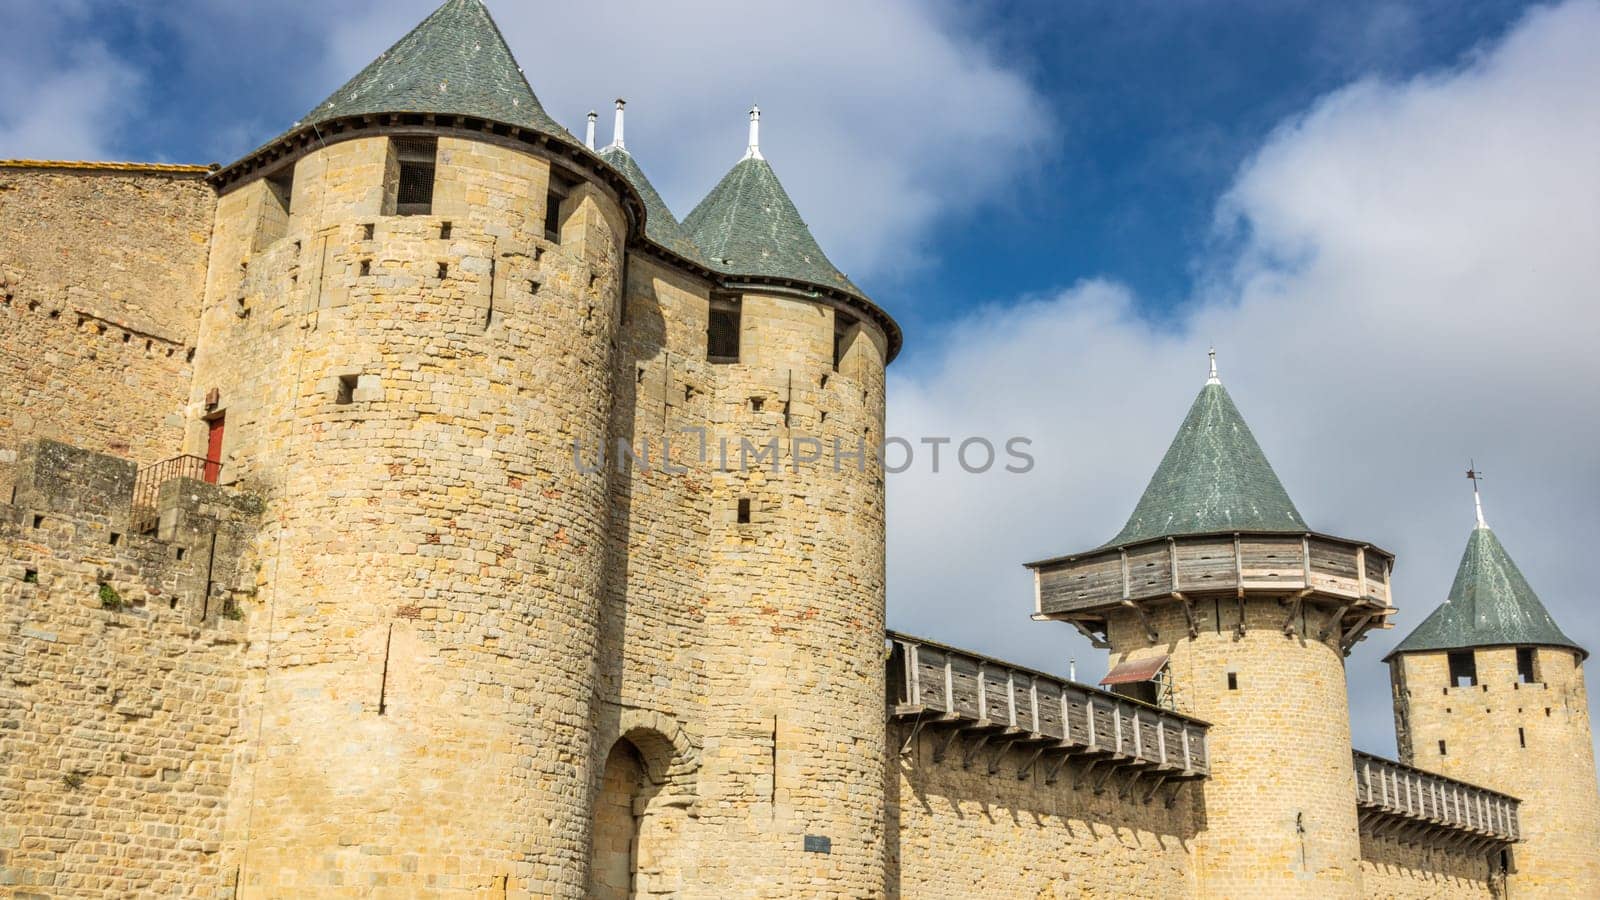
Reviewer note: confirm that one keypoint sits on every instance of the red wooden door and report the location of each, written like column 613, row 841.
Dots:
column 213, row 466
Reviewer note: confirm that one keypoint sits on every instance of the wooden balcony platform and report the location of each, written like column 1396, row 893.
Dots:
column 1347, row 576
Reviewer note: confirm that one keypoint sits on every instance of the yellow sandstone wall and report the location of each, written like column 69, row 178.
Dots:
column 433, row 557
column 959, row 832
column 1395, row 869
column 794, row 618
column 120, row 669
column 101, row 272
column 1553, row 775
column 1279, row 815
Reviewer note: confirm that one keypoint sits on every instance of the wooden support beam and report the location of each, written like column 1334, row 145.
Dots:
column 1100, row 786
column 1098, row 641
column 1144, row 619
column 1337, row 621
column 1055, row 770
column 940, row 751
column 1290, row 625
column 999, row 754
column 1026, row 768
column 1159, row 781
column 1083, row 775
column 1188, row 613
column 974, row 748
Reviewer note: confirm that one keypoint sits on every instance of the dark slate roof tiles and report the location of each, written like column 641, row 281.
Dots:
column 1490, row 604
column 748, row 226
column 1214, row 478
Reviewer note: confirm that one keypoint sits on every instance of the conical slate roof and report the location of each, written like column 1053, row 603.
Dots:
column 748, row 226
column 1214, row 478
column 455, row 62
column 660, row 225
column 1490, row 604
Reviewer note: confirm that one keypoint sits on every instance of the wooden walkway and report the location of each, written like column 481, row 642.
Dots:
column 983, row 708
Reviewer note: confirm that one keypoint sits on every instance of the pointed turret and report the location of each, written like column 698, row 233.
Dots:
column 1217, row 591
column 660, row 225
column 455, row 62
column 748, row 226
column 1214, row 478
column 1490, row 604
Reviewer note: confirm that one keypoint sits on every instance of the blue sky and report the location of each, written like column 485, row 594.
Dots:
column 1142, row 113
column 1383, row 214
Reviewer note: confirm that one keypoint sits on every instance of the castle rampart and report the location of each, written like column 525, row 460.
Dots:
column 122, row 661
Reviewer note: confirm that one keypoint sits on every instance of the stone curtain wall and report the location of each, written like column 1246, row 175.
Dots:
column 1397, row 869
column 120, row 670
column 959, row 832
column 101, row 274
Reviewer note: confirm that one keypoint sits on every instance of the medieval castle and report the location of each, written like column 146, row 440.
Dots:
column 303, row 592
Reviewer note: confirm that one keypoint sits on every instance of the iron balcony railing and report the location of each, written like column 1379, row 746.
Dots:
column 147, row 485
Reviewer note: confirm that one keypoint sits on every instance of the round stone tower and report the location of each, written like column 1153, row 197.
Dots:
column 792, row 778
column 1489, row 690
column 1218, row 599
column 410, row 315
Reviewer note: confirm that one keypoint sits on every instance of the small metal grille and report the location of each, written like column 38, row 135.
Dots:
column 414, row 193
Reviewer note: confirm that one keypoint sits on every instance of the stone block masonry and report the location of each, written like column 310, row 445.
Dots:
column 121, row 661
column 100, row 283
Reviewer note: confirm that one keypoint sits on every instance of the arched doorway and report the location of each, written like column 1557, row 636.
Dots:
column 614, row 862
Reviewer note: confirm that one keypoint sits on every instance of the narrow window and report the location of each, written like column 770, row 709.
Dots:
column 274, row 222
column 1526, row 659
column 1522, row 737
column 560, row 189
column 444, row 271
column 744, row 511
column 1463, row 669
column 30, row 576
column 444, row 231
column 722, row 332
column 366, row 267
column 347, row 389
column 1441, row 748
column 1233, row 681
column 115, row 538
column 367, row 231
column 281, row 187
column 38, row 521
column 417, row 157
column 842, row 327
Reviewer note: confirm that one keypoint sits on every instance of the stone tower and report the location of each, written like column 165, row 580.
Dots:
column 1217, row 598
column 410, row 316
column 1489, row 690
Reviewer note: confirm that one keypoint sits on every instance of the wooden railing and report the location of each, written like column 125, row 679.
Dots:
column 1000, row 706
column 1392, row 795
column 147, row 485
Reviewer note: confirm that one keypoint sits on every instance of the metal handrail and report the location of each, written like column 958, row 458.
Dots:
column 147, row 485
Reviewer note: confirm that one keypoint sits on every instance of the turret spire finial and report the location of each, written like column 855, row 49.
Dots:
column 754, row 150
column 616, row 126
column 1212, row 378
column 1477, row 500
column 588, row 134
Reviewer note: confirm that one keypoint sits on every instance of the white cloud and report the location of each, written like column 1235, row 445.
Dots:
column 1412, row 281
column 61, row 96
